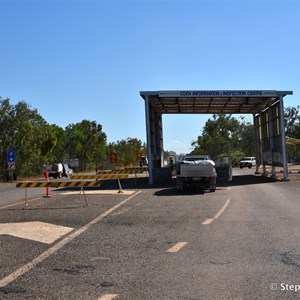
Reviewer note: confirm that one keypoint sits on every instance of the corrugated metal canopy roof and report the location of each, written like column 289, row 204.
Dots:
column 212, row 101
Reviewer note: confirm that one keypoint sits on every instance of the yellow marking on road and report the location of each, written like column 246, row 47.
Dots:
column 108, row 297
column 69, row 238
column 209, row 221
column 177, row 247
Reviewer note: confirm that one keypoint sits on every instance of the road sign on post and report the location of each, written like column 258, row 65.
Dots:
column 113, row 157
column 11, row 160
column 11, row 156
column 11, row 166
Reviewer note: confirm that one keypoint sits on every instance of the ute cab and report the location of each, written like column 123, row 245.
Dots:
column 248, row 162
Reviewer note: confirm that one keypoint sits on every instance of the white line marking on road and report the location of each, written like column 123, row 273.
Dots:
column 209, row 221
column 37, row 231
column 100, row 192
column 108, row 297
column 22, row 202
column 107, row 192
column 177, row 247
column 69, row 238
column 229, row 188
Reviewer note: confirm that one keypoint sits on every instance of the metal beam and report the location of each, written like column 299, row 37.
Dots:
column 283, row 143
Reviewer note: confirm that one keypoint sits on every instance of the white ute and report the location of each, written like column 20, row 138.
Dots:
column 198, row 171
column 248, row 162
column 57, row 170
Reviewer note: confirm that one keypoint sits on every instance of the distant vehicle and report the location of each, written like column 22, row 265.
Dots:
column 67, row 171
column 143, row 161
column 57, row 170
column 247, row 162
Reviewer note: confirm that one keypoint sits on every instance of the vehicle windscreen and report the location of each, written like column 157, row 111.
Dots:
column 194, row 158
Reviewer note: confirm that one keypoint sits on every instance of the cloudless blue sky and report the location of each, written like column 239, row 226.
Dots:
column 75, row 60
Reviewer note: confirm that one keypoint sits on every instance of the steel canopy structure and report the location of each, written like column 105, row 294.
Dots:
column 212, row 102
column 266, row 106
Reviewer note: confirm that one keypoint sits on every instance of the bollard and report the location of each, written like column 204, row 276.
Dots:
column 47, row 188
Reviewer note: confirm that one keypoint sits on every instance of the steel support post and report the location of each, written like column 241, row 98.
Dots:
column 148, row 131
column 271, row 133
column 256, row 143
column 283, row 141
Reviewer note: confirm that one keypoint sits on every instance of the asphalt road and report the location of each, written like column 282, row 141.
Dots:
column 240, row 242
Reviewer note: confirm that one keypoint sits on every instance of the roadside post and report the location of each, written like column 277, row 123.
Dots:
column 47, row 188
column 26, row 203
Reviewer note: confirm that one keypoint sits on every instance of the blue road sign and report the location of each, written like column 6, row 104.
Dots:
column 11, row 156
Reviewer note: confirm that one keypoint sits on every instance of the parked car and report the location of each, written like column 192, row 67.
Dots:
column 57, row 170
column 248, row 162
column 143, row 161
column 67, row 171
column 54, row 170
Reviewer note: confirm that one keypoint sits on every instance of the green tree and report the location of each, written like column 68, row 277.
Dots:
column 6, row 132
column 245, row 143
column 26, row 132
column 87, row 142
column 57, row 153
column 33, row 138
column 219, row 136
column 292, row 129
column 127, row 149
column 292, row 121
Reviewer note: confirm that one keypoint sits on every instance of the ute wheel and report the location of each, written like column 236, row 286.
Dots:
column 212, row 189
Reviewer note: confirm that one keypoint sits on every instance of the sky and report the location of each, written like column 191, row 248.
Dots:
column 74, row 60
